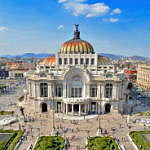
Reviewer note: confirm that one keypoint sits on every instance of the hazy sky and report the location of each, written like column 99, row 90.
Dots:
column 111, row 26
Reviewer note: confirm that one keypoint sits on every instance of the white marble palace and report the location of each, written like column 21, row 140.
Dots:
column 76, row 81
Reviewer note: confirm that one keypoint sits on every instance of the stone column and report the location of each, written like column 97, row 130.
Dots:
column 66, row 109
column 72, row 109
column 49, row 90
column 79, row 109
column 89, row 109
column 85, row 108
column 88, row 90
column 64, row 90
column 96, row 107
column 99, row 107
column 103, row 91
column 35, row 91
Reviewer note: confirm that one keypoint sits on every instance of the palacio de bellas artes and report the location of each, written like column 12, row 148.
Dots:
column 76, row 82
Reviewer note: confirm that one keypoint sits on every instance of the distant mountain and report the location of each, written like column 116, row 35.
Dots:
column 43, row 55
column 139, row 58
column 112, row 56
column 117, row 57
column 28, row 55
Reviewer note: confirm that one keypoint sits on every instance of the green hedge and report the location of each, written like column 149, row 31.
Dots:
column 138, row 139
column 6, row 112
column 102, row 143
column 13, row 140
column 50, row 143
column 144, row 113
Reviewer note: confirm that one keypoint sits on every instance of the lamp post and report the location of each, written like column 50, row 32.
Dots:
column 99, row 127
column 53, row 133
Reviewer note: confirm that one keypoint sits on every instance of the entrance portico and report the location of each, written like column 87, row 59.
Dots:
column 76, row 109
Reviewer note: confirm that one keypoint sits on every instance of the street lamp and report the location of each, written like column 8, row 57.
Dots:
column 53, row 123
column 99, row 127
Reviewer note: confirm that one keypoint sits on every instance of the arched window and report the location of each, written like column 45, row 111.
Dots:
column 43, row 90
column 108, row 90
column 76, row 87
column 44, row 107
column 107, row 108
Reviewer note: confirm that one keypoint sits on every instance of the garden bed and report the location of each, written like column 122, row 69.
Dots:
column 9, row 139
column 50, row 143
column 141, row 139
column 102, row 143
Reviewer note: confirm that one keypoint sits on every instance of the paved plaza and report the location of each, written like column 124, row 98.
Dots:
column 75, row 129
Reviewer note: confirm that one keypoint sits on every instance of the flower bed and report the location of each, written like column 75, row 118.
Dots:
column 50, row 143
column 102, row 143
column 9, row 139
column 141, row 139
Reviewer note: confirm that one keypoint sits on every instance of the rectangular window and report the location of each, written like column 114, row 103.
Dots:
column 92, row 61
column 81, row 61
column 43, row 90
column 59, row 92
column 60, row 61
column 70, row 61
column 87, row 61
column 72, row 92
column 76, row 92
column 80, row 92
column 65, row 61
column 93, row 91
column 76, row 61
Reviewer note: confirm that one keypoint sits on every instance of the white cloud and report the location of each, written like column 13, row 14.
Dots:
column 3, row 28
column 80, row 7
column 116, row 11
column 62, row 1
column 112, row 20
column 60, row 27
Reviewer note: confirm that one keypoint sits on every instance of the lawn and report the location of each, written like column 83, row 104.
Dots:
column 141, row 139
column 9, row 139
column 102, row 143
column 50, row 143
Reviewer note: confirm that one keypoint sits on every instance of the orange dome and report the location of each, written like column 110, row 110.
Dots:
column 76, row 45
column 49, row 60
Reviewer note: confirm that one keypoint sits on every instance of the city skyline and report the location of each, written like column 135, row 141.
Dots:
column 110, row 26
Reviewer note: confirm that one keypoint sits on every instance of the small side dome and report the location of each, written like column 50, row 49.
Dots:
column 76, row 45
column 51, row 60
column 103, row 60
